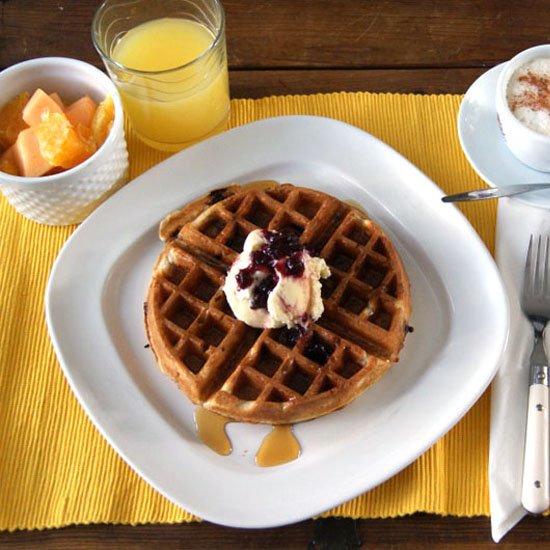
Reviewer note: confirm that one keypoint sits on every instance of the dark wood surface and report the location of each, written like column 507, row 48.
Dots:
column 306, row 46
column 409, row 533
column 303, row 46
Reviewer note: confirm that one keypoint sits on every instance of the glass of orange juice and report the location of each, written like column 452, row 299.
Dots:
column 168, row 60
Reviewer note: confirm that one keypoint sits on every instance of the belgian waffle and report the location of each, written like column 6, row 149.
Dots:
column 276, row 376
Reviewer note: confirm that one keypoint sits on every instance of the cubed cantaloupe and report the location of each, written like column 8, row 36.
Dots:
column 29, row 158
column 81, row 111
column 57, row 99
column 8, row 163
column 38, row 106
column 11, row 120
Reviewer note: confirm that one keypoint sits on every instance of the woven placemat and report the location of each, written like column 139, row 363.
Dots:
column 55, row 468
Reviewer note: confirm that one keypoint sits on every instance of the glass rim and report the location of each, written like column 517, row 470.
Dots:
column 217, row 39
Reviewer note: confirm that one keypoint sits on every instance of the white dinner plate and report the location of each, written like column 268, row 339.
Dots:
column 484, row 145
column 94, row 307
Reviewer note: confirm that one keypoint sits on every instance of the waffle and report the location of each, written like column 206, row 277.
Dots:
column 275, row 376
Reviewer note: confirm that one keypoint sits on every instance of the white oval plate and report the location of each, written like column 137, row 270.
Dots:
column 484, row 145
column 94, row 313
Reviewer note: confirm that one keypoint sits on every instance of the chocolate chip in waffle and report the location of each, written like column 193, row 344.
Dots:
column 276, row 376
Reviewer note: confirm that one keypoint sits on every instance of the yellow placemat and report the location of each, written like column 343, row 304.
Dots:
column 55, row 468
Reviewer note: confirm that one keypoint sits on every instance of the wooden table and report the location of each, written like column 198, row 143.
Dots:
column 305, row 46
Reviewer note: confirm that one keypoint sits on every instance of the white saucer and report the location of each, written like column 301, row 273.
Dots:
column 484, row 146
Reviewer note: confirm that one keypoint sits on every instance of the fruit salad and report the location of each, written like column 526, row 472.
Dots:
column 41, row 135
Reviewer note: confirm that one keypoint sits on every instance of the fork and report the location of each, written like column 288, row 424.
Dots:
column 535, row 303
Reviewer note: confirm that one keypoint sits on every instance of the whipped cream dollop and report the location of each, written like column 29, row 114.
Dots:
column 275, row 281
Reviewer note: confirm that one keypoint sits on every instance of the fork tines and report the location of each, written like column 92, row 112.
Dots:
column 536, row 275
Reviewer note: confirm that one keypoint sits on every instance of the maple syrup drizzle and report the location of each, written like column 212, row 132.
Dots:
column 258, row 185
column 356, row 206
column 211, row 430
column 278, row 447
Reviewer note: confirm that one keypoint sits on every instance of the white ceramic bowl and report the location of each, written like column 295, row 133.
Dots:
column 67, row 197
column 530, row 147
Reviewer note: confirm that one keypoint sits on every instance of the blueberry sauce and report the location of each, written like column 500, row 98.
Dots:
column 244, row 278
column 282, row 251
column 262, row 291
column 317, row 350
column 293, row 266
column 261, row 258
column 282, row 243
column 289, row 336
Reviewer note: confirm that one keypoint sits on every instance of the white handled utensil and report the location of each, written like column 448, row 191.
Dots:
column 535, row 303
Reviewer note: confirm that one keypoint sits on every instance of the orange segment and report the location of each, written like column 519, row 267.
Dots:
column 38, row 106
column 11, row 120
column 60, row 144
column 102, row 121
column 85, row 134
column 8, row 163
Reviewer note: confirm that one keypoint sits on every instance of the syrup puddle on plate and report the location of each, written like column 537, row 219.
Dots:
column 211, row 430
column 278, row 447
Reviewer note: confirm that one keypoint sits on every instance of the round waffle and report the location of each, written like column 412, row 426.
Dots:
column 275, row 376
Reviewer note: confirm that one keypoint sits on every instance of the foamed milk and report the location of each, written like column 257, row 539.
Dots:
column 528, row 94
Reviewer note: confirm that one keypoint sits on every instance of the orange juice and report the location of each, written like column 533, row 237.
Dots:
column 175, row 84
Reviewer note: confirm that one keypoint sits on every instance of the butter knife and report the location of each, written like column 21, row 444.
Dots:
column 495, row 192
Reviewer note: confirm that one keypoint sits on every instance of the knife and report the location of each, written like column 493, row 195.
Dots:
column 495, row 192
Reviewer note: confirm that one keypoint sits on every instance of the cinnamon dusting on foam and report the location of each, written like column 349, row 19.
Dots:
column 537, row 96
column 528, row 95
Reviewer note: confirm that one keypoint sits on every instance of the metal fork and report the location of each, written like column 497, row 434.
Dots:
column 535, row 303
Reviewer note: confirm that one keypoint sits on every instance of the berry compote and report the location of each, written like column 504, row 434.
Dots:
column 281, row 255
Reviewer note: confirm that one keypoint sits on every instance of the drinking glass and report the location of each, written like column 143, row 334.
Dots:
column 168, row 108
